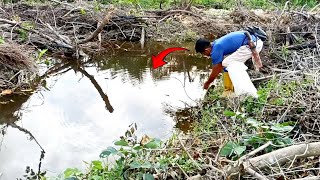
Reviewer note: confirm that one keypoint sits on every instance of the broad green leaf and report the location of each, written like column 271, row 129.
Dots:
column 287, row 141
column 124, row 152
column 253, row 122
column 229, row 113
column 71, row 178
column 268, row 149
column 121, row 142
column 95, row 177
column 148, row 177
column 153, row 144
column 288, row 123
column 239, row 150
column 71, row 172
column 1, row 40
column 227, row 149
column 270, row 135
column 279, row 142
column 110, row 150
column 146, row 165
column 253, row 139
column 137, row 148
column 135, row 164
column 41, row 53
column 281, row 128
column 97, row 165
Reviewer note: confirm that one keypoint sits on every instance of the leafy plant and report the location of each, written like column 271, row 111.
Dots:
column 23, row 34
column 71, row 173
column 27, row 25
column 232, row 149
column 83, row 11
column 275, row 132
column 41, row 53
column 256, row 135
column 97, row 6
column 1, row 40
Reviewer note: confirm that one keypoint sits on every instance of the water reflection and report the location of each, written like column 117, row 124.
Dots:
column 99, row 89
column 63, row 68
column 10, row 108
column 69, row 119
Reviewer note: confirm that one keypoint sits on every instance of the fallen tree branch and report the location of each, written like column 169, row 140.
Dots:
column 99, row 29
column 255, row 174
column 67, row 41
column 309, row 178
column 252, row 153
column 279, row 156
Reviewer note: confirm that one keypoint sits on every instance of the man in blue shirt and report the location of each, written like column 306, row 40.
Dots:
column 231, row 47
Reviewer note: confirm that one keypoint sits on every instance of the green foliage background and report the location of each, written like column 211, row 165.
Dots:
column 218, row 4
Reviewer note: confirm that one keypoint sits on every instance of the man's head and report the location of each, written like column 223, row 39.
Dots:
column 203, row 46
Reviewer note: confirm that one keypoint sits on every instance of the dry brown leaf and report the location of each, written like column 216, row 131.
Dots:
column 6, row 92
column 145, row 139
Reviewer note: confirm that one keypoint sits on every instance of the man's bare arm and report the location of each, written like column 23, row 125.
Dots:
column 216, row 69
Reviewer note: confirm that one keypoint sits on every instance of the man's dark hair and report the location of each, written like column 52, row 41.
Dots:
column 201, row 45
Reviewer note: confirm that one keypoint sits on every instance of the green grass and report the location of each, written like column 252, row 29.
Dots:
column 216, row 4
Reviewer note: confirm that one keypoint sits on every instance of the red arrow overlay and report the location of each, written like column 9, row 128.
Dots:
column 158, row 61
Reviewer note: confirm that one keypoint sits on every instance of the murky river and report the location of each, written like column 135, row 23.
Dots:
column 69, row 114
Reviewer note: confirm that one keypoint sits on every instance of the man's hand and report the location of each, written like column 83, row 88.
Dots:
column 206, row 85
column 216, row 69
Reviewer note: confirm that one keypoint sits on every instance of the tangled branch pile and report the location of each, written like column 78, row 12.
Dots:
column 62, row 26
column 17, row 69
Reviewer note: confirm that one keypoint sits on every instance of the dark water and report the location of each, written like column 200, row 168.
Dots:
column 69, row 114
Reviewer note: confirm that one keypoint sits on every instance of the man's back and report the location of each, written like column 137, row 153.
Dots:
column 228, row 44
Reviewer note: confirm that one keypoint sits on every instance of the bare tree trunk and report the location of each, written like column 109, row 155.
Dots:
column 278, row 157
